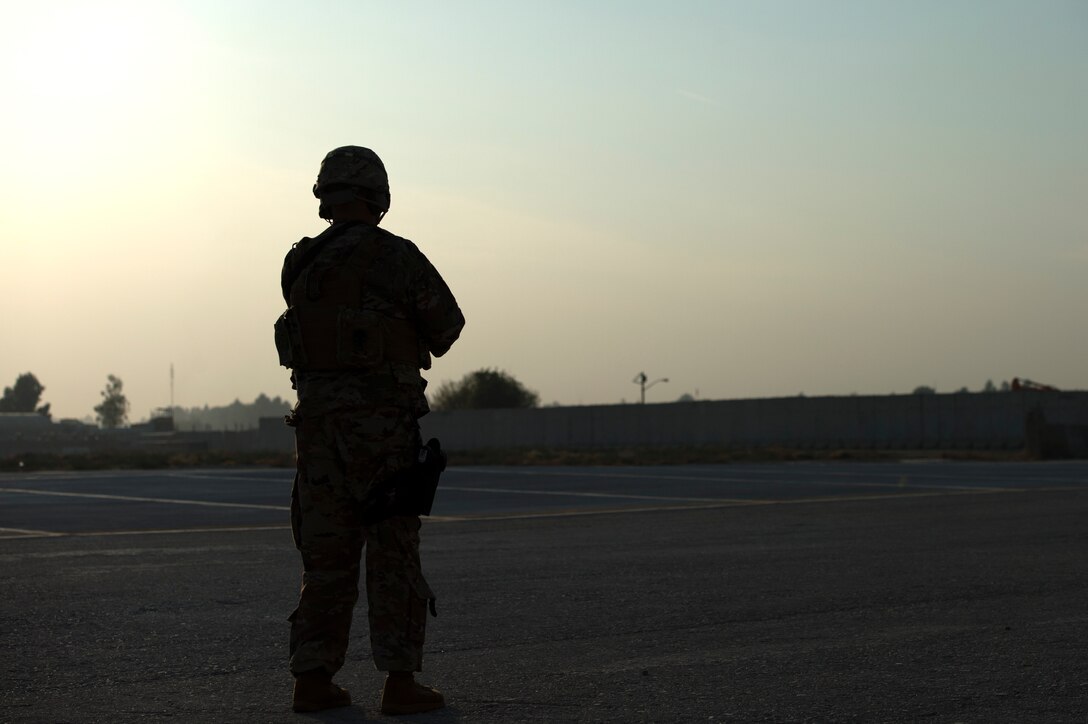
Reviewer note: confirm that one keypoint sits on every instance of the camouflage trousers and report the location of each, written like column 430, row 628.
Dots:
column 340, row 457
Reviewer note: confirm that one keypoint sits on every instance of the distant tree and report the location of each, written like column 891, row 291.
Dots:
column 1005, row 386
column 112, row 412
column 989, row 386
column 924, row 390
column 686, row 397
column 963, row 390
column 24, row 396
column 484, row 389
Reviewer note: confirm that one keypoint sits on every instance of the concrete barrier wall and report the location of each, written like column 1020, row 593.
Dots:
column 952, row 421
column 993, row 421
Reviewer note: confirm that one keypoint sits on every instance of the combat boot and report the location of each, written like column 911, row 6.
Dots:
column 315, row 691
column 402, row 695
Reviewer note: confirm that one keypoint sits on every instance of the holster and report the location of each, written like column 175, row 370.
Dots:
column 410, row 491
column 414, row 489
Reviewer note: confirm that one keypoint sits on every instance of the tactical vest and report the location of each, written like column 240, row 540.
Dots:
column 326, row 326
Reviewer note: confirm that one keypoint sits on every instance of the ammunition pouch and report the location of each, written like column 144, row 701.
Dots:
column 289, row 341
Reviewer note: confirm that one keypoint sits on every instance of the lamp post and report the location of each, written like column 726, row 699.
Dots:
column 640, row 380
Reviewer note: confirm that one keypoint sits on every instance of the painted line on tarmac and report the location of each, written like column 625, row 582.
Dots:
column 235, row 529
column 146, row 531
column 52, row 475
column 257, row 476
column 564, row 513
column 24, row 533
column 568, row 513
column 900, row 484
column 582, row 494
column 577, row 512
column 705, row 479
column 598, row 474
column 967, row 478
column 907, row 494
column 139, row 499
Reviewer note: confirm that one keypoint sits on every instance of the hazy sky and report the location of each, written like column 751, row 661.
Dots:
column 752, row 199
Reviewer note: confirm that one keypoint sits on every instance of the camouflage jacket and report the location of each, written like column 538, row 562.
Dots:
column 397, row 281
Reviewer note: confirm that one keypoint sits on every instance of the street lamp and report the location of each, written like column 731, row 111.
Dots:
column 640, row 380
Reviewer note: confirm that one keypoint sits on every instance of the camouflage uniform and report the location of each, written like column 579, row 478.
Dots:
column 353, row 429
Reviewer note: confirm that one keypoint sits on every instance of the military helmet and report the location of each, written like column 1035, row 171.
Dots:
column 348, row 168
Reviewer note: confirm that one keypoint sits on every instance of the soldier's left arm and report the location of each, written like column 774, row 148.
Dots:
column 439, row 317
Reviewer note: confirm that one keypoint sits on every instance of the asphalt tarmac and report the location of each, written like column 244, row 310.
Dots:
column 814, row 592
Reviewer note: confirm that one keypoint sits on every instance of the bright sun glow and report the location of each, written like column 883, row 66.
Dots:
column 73, row 72
column 84, row 54
column 78, row 78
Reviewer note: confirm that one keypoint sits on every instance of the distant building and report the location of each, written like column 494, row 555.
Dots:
column 13, row 423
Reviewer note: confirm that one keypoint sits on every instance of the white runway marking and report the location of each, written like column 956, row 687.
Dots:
column 732, row 503
column 23, row 533
column 139, row 499
column 585, row 492
column 707, row 479
column 233, row 478
column 145, row 531
column 712, row 504
column 157, row 531
column 580, row 494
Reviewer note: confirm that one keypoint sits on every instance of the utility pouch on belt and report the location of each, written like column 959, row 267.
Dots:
column 415, row 487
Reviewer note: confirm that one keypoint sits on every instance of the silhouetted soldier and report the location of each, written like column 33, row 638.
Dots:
column 366, row 310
